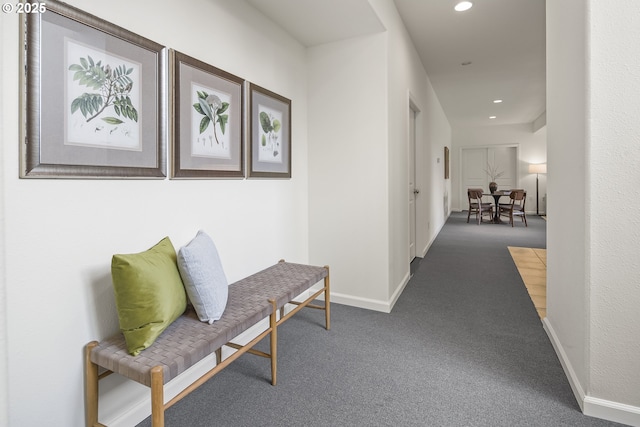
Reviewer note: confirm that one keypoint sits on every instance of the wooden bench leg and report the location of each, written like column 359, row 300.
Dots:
column 91, row 386
column 157, row 397
column 327, row 302
column 273, row 341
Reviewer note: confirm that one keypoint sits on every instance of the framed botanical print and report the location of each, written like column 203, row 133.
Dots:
column 208, row 127
column 446, row 162
column 269, row 134
column 94, row 98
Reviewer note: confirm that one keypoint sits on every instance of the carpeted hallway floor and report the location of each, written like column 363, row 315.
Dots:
column 463, row 346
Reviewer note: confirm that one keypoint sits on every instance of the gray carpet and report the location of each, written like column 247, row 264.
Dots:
column 462, row 347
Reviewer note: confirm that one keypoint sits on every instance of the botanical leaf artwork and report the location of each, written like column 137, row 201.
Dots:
column 103, row 99
column 210, row 123
column 269, row 149
column 113, row 86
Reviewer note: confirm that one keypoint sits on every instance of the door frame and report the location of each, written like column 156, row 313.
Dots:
column 412, row 159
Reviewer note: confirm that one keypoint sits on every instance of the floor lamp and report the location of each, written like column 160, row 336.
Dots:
column 537, row 169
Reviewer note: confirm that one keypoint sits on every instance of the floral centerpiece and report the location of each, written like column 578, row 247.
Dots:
column 494, row 174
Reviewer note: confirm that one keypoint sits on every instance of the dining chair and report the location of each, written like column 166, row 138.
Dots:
column 477, row 206
column 508, row 193
column 515, row 207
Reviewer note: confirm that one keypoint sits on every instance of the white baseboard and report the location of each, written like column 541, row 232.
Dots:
column 592, row 406
column 612, row 411
column 578, row 391
column 398, row 291
column 371, row 304
column 366, row 303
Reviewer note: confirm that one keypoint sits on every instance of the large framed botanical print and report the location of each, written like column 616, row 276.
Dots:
column 94, row 98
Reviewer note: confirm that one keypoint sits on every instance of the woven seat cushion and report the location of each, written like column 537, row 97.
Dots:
column 184, row 343
column 187, row 340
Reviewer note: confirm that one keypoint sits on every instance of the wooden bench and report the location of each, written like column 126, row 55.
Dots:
column 188, row 340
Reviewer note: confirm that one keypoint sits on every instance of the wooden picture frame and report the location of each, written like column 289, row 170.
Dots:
column 446, row 162
column 208, row 127
column 269, row 134
column 94, row 101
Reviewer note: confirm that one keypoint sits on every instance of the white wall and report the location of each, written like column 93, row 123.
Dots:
column 614, row 157
column 532, row 148
column 348, row 190
column 567, row 242
column 358, row 161
column 407, row 81
column 58, row 236
column 6, row 104
column 594, row 148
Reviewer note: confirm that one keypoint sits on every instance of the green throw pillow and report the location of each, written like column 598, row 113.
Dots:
column 149, row 294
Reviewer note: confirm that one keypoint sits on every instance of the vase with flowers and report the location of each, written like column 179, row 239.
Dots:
column 494, row 174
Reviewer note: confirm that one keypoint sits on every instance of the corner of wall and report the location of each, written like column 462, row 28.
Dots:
column 574, row 382
column 591, row 406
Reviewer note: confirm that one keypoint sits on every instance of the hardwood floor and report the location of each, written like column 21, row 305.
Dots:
column 532, row 266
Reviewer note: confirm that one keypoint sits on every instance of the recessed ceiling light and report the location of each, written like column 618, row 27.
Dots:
column 497, row 101
column 463, row 5
column 492, row 117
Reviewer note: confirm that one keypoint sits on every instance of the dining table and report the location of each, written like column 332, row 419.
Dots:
column 496, row 198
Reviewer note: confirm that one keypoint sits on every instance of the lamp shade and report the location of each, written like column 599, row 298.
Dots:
column 538, row 168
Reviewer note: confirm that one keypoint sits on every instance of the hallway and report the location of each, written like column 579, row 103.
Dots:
column 463, row 346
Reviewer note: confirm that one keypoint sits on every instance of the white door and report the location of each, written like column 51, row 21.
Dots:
column 413, row 191
column 505, row 161
column 473, row 162
column 476, row 161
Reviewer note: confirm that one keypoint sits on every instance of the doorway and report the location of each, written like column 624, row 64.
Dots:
column 476, row 161
column 413, row 190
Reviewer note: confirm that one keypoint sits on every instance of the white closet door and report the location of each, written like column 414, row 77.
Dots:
column 505, row 159
column 474, row 161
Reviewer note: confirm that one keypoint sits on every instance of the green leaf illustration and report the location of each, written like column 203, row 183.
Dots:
column 113, row 85
column 198, row 108
column 265, row 122
column 204, row 123
column 211, row 107
column 87, row 103
column 276, row 126
column 206, row 109
column 222, row 119
column 225, row 107
column 112, row 120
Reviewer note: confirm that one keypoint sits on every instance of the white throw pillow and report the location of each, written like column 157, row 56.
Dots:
column 204, row 279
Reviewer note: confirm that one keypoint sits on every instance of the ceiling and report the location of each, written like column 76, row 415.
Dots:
column 504, row 41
